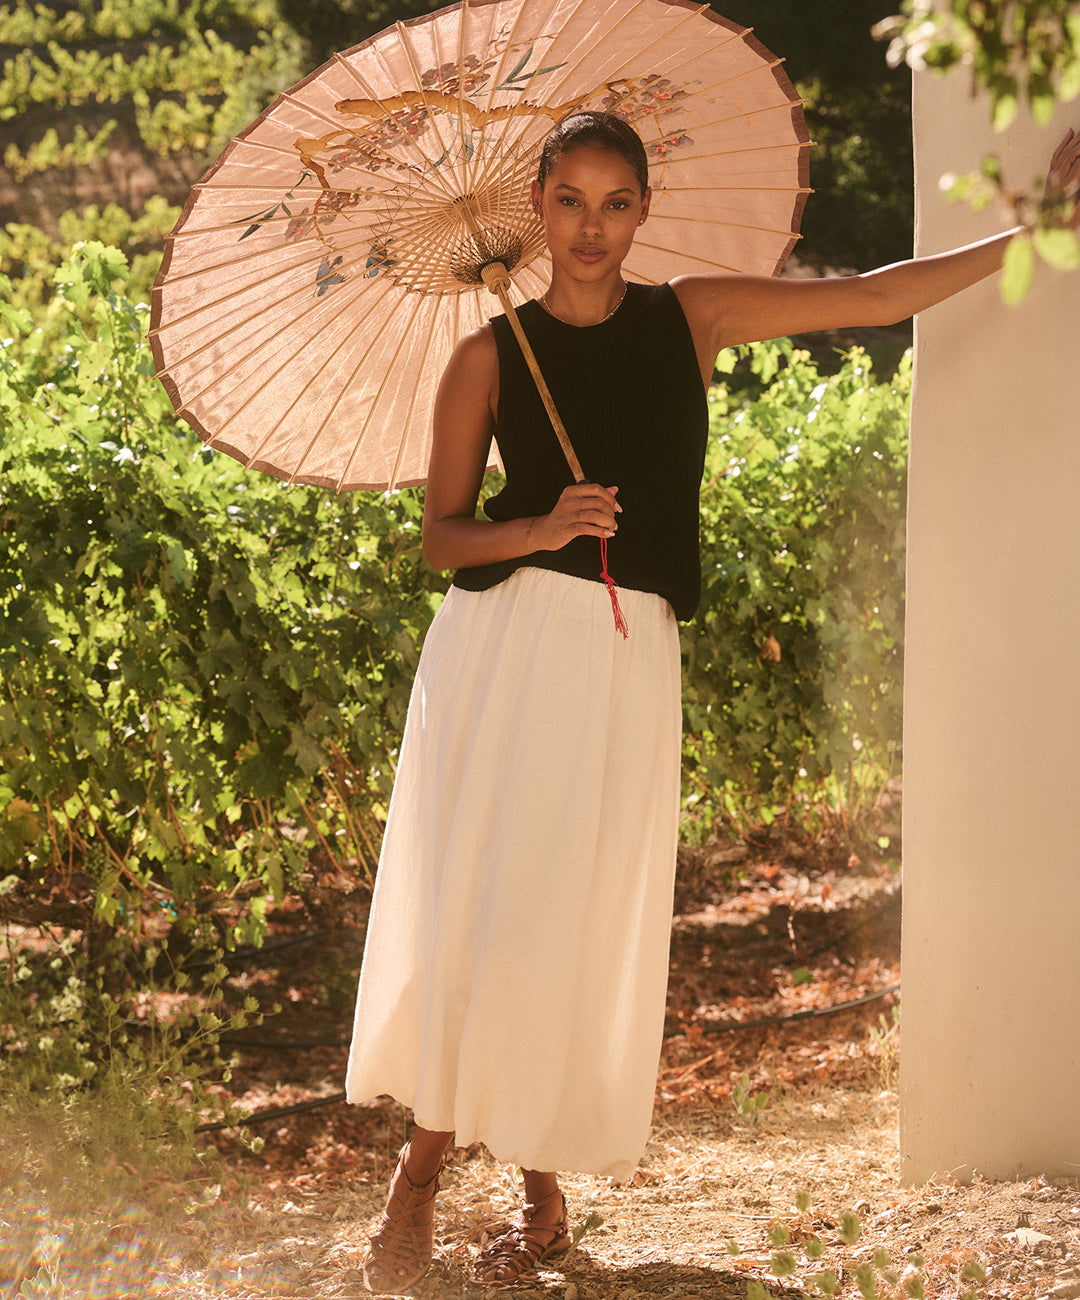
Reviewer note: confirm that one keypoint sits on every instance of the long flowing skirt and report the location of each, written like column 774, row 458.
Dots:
column 515, row 967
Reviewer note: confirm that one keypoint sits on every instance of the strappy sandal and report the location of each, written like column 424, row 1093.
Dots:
column 399, row 1250
column 522, row 1247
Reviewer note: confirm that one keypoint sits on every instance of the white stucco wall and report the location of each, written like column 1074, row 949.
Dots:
column 990, row 1074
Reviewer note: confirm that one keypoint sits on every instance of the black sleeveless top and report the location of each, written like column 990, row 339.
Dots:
column 630, row 394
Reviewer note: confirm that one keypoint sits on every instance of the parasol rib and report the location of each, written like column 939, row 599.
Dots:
column 345, row 305
column 735, row 189
column 290, row 358
column 433, row 118
column 400, row 304
column 740, row 117
column 733, row 153
column 672, row 69
column 229, row 295
column 469, row 166
column 706, row 262
column 295, row 154
column 300, row 187
column 395, row 472
column 720, row 224
column 256, row 253
column 344, row 388
column 361, row 224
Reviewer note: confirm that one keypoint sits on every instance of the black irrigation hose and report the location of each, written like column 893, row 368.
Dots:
column 282, row 1045
column 275, row 1112
column 724, row 1027
column 279, row 1112
column 730, row 1026
column 250, row 952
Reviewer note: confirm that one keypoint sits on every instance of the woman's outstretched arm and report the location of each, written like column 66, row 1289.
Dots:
column 464, row 419
column 724, row 310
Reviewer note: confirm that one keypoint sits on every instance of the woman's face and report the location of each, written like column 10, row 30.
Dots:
column 592, row 205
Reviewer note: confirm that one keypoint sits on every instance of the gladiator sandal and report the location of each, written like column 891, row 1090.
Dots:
column 399, row 1250
column 522, row 1247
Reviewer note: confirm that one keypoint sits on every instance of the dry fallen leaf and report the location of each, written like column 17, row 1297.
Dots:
column 1027, row 1237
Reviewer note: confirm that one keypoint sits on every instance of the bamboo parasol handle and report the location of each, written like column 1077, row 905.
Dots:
column 497, row 278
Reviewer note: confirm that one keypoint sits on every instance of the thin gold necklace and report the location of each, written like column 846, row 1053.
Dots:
column 544, row 304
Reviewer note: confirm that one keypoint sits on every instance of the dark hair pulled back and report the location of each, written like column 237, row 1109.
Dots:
column 599, row 131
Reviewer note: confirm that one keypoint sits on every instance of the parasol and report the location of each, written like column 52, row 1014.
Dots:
column 325, row 266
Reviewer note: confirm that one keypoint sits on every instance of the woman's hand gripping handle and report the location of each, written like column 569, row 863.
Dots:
column 582, row 510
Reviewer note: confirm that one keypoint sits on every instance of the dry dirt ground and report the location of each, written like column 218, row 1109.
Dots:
column 774, row 1148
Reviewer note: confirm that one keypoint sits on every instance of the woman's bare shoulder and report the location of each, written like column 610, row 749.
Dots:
column 472, row 373
column 477, row 350
column 702, row 292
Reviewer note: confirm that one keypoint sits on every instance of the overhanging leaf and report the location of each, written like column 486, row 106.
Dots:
column 1006, row 106
column 1018, row 270
column 1057, row 247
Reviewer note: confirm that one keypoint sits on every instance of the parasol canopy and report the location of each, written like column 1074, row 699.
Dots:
column 325, row 266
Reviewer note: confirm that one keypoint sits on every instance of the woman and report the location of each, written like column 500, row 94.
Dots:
column 515, row 967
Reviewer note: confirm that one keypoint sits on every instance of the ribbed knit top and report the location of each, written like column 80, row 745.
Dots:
column 630, row 394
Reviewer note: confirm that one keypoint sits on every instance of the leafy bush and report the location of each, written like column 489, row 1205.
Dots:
column 192, row 74
column 204, row 678
column 204, row 674
column 793, row 667
column 30, row 256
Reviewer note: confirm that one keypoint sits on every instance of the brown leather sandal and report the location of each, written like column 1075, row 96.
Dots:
column 522, row 1247
column 399, row 1250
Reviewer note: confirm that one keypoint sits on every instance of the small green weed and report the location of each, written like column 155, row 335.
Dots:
column 748, row 1103
column 798, row 1247
column 590, row 1223
column 885, row 1045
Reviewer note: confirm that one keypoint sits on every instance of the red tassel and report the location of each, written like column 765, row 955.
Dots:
column 613, row 591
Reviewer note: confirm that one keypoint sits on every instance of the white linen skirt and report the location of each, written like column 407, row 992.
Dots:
column 515, row 967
